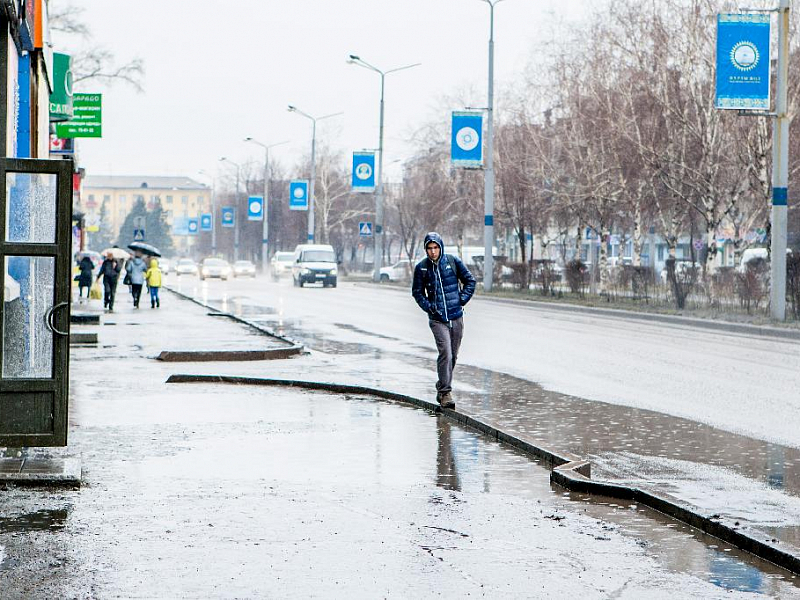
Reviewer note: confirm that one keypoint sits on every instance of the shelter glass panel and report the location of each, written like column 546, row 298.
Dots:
column 28, row 296
column 31, row 199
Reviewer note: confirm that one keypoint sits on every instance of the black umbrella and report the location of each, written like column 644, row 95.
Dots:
column 145, row 248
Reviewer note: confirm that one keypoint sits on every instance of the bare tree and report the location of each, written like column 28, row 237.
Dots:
column 90, row 62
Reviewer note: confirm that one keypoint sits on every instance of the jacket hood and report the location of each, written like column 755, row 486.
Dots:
column 153, row 263
column 434, row 237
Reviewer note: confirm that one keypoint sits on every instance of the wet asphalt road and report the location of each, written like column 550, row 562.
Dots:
column 218, row 491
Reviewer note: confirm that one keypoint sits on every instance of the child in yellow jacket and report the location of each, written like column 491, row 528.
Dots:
column 153, row 278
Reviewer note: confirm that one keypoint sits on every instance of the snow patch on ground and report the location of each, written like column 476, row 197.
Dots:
column 711, row 488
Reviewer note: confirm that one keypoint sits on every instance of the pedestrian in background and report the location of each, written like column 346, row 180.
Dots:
column 109, row 271
column 153, row 276
column 85, row 276
column 442, row 286
column 135, row 270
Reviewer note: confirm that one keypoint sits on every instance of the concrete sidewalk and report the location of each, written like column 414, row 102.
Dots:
column 750, row 483
column 225, row 491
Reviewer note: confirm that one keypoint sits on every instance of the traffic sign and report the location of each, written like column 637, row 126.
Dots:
column 255, row 208
column 365, row 229
column 698, row 244
column 193, row 226
column 138, row 235
column 228, row 216
column 206, row 223
column 363, row 172
column 466, row 145
column 298, row 195
column 138, row 222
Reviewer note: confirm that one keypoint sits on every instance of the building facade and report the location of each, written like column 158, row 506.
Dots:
column 181, row 198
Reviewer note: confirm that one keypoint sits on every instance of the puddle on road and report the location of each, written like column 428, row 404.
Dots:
column 41, row 520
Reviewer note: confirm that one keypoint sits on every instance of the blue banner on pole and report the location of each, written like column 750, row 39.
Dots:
column 228, row 216
column 193, row 226
column 743, row 65
column 206, row 223
column 255, row 208
column 466, row 146
column 298, row 195
column 363, row 171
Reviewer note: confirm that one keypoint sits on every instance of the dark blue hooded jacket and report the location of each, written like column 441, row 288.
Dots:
column 436, row 284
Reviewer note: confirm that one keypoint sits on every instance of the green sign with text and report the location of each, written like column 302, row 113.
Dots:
column 87, row 119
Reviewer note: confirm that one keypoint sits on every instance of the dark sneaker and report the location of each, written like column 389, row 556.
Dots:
column 447, row 401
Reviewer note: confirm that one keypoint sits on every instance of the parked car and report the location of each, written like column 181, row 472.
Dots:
column 186, row 266
column 281, row 263
column 215, row 267
column 165, row 265
column 682, row 269
column 399, row 271
column 244, row 268
column 314, row 263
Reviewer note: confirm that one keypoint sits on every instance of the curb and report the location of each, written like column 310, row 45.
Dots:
column 227, row 355
column 620, row 313
column 41, row 472
column 567, row 471
column 218, row 313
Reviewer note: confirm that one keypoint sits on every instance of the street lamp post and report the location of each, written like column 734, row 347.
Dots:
column 488, row 186
column 378, row 233
column 780, row 170
column 213, row 214
column 265, row 214
column 235, row 210
column 311, row 198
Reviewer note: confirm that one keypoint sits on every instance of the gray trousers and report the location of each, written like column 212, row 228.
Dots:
column 448, row 341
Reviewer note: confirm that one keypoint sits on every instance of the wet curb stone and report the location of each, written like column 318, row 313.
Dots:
column 567, row 471
column 41, row 472
column 227, row 355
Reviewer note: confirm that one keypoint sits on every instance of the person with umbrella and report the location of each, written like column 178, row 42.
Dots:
column 109, row 271
column 135, row 273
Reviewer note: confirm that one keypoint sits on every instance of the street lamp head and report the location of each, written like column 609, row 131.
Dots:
column 292, row 108
column 223, row 159
column 354, row 57
column 248, row 139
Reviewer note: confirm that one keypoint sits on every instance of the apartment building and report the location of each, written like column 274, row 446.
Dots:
column 182, row 198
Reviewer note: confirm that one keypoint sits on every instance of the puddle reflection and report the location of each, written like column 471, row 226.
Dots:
column 41, row 520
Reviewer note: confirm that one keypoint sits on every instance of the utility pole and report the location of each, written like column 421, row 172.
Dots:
column 265, row 206
column 314, row 120
column 780, row 170
column 488, row 190
column 377, row 236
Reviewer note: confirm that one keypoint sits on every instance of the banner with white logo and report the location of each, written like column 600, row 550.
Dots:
column 364, row 172
column 466, row 147
column 743, row 65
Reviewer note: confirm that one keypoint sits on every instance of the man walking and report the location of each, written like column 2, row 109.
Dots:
column 109, row 271
column 442, row 286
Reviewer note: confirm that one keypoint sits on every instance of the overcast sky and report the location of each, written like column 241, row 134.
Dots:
column 217, row 72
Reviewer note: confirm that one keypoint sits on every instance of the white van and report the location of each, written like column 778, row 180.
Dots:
column 314, row 263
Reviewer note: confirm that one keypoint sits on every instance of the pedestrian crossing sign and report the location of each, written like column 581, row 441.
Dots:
column 138, row 235
column 365, row 229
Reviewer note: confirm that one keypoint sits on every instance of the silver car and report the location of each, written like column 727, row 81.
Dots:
column 186, row 266
column 215, row 267
column 244, row 268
